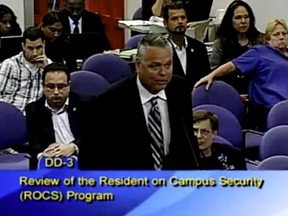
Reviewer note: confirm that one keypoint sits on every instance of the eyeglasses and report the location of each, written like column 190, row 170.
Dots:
column 203, row 132
column 52, row 87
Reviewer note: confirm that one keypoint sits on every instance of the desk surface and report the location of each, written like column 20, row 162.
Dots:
column 144, row 29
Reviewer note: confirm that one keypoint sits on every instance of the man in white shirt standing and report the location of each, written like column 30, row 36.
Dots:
column 52, row 121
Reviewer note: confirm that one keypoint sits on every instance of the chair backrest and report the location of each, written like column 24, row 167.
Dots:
column 134, row 41
column 86, row 83
column 278, row 115
column 278, row 162
column 220, row 94
column 12, row 126
column 274, row 142
column 111, row 67
column 198, row 30
column 138, row 14
column 228, row 127
column 221, row 140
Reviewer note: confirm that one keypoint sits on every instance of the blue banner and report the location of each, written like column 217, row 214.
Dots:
column 74, row 192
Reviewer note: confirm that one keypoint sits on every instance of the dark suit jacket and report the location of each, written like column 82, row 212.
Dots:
column 40, row 125
column 91, row 23
column 61, row 51
column 198, row 64
column 119, row 138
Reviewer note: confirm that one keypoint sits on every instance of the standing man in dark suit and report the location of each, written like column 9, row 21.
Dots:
column 143, row 122
column 76, row 19
column 52, row 120
column 190, row 58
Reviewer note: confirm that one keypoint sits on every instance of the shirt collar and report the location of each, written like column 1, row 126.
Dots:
column 177, row 47
column 61, row 110
column 146, row 96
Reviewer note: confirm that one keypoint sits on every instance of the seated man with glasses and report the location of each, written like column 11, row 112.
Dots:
column 214, row 155
column 52, row 121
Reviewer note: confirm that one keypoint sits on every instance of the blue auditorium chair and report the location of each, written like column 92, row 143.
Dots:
column 220, row 94
column 278, row 115
column 277, row 162
column 86, row 83
column 111, row 67
column 12, row 134
column 274, row 142
column 132, row 43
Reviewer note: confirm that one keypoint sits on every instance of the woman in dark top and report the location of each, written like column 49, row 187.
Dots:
column 57, row 48
column 236, row 34
column 214, row 155
column 8, row 22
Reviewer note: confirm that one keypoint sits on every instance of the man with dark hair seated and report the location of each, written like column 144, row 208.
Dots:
column 52, row 121
column 214, row 155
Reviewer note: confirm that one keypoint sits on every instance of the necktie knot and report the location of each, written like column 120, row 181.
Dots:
column 154, row 101
column 75, row 22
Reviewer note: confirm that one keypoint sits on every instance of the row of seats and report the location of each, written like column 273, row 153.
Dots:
column 231, row 112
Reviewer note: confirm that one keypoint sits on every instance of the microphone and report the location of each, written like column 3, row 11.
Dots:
column 189, row 141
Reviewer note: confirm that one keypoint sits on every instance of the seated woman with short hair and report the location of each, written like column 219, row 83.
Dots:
column 214, row 155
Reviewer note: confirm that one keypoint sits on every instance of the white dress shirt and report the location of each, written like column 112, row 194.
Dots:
column 61, row 124
column 146, row 97
column 72, row 25
column 181, row 52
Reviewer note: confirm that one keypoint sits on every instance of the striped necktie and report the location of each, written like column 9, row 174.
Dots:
column 156, row 134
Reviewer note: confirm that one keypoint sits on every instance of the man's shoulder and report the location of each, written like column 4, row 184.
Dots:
column 195, row 43
column 178, row 83
column 90, row 15
column 16, row 59
column 35, row 106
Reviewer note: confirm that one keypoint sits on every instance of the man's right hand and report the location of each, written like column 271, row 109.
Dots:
column 50, row 150
column 207, row 79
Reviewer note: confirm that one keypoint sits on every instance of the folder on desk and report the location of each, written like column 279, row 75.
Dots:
column 128, row 54
column 134, row 22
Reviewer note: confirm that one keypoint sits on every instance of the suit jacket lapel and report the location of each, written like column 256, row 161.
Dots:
column 71, row 110
column 47, row 122
column 190, row 57
column 177, row 67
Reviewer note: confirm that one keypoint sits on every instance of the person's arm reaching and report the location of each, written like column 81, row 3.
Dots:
column 220, row 71
column 157, row 7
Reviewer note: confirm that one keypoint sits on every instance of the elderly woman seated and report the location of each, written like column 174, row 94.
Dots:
column 214, row 155
column 267, row 65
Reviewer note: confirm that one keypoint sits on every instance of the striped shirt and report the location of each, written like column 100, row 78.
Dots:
column 20, row 81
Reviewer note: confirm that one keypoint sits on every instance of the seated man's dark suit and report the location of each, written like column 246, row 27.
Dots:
column 40, row 125
column 91, row 23
column 198, row 64
column 117, row 136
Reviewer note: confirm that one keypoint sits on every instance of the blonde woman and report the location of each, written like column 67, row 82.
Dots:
column 268, row 67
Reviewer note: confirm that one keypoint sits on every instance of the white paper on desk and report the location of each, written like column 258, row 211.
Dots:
column 158, row 21
column 134, row 22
